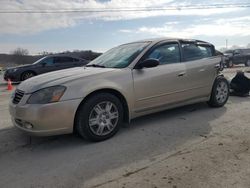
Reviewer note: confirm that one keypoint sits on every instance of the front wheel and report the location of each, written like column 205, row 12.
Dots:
column 100, row 117
column 26, row 75
column 220, row 92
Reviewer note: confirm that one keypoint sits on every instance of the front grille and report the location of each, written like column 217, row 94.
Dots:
column 17, row 96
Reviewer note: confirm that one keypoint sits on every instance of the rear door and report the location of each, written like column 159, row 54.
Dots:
column 165, row 84
column 202, row 68
column 79, row 62
column 63, row 62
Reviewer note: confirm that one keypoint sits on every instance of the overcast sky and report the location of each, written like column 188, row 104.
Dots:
column 99, row 31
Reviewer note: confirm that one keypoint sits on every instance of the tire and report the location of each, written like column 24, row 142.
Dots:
column 247, row 64
column 96, row 111
column 220, row 93
column 26, row 75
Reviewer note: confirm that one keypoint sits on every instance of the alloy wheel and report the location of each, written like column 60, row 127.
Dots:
column 27, row 75
column 103, row 118
column 221, row 92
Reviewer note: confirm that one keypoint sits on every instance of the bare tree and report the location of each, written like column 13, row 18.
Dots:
column 20, row 52
column 44, row 53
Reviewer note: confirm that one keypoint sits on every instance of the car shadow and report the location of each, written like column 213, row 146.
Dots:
column 168, row 122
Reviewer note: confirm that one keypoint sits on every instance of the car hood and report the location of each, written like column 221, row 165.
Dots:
column 60, row 77
column 18, row 67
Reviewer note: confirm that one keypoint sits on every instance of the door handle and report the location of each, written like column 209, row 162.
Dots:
column 181, row 74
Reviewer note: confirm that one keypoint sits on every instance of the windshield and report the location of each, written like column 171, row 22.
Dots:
column 119, row 57
column 39, row 60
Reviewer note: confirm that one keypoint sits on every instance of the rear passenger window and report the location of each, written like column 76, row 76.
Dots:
column 63, row 59
column 193, row 52
column 166, row 54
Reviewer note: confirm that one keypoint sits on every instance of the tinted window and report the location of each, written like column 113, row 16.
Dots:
column 166, row 54
column 237, row 51
column 193, row 52
column 63, row 59
column 48, row 61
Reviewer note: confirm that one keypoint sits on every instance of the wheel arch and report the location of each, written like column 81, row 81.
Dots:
column 118, row 94
column 219, row 76
column 21, row 75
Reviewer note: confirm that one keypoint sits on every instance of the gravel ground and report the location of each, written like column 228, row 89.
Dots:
column 192, row 146
column 217, row 159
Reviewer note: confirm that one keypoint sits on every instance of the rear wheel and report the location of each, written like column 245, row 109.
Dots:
column 26, row 75
column 100, row 117
column 220, row 92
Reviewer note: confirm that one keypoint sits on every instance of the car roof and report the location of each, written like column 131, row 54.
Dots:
column 156, row 40
column 64, row 55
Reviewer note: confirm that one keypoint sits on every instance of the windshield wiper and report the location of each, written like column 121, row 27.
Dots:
column 95, row 65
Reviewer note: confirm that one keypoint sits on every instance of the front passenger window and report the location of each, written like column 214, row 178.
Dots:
column 166, row 54
column 48, row 61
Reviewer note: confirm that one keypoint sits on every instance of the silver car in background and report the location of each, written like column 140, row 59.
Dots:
column 127, row 81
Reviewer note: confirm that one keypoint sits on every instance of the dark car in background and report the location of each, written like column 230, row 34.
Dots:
column 43, row 65
column 237, row 56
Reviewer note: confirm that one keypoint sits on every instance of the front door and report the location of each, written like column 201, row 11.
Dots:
column 46, row 65
column 63, row 62
column 161, row 85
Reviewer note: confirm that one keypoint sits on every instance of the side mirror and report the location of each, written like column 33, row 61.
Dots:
column 148, row 63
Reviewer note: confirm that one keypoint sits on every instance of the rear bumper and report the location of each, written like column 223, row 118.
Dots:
column 45, row 120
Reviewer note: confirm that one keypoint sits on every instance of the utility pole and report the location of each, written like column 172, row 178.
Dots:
column 226, row 43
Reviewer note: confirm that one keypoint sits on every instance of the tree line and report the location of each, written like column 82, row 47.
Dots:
column 21, row 56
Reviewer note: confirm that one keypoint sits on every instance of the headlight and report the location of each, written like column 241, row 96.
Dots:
column 12, row 70
column 47, row 95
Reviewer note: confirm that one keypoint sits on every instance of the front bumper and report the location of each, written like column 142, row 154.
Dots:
column 45, row 119
column 12, row 76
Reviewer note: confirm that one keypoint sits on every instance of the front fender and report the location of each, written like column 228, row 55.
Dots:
column 121, row 82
